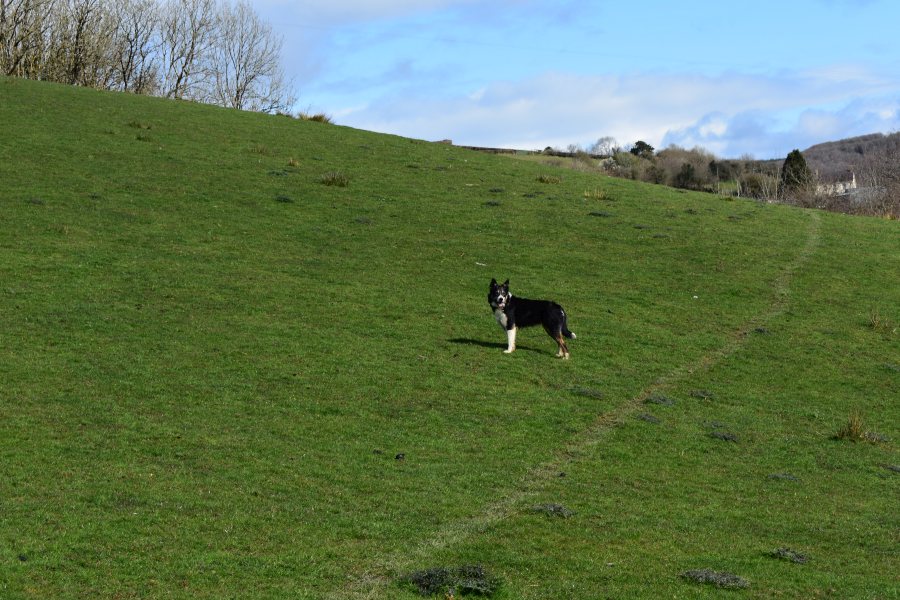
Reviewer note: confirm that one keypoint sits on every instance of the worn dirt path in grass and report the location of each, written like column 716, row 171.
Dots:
column 386, row 568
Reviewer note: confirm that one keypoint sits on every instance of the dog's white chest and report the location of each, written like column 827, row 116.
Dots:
column 501, row 317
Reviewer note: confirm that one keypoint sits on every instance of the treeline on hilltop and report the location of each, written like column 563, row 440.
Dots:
column 212, row 51
column 806, row 178
column 834, row 161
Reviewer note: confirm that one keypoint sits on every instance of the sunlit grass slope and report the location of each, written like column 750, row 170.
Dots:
column 222, row 377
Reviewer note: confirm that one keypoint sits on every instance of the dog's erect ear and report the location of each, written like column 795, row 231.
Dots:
column 506, row 283
column 493, row 282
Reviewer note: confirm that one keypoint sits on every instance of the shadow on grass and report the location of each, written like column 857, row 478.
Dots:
column 484, row 344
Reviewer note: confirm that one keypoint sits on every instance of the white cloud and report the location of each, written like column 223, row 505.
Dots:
column 764, row 136
column 729, row 114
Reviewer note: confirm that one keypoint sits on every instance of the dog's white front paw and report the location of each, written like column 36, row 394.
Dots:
column 510, row 351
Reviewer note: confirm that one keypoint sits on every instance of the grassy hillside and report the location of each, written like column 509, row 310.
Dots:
column 222, row 377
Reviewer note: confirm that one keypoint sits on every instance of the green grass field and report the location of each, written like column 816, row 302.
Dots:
column 221, row 377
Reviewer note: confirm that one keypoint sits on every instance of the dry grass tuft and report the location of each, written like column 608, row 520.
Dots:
column 335, row 178
column 853, row 429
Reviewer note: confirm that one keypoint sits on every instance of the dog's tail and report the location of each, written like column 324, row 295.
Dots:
column 565, row 326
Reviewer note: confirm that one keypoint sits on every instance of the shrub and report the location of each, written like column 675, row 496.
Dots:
column 549, row 179
column 318, row 118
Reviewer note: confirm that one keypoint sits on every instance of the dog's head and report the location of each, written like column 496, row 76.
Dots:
column 499, row 294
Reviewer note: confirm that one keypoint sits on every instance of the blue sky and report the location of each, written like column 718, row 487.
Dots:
column 758, row 78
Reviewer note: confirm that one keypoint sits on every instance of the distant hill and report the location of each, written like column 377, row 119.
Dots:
column 837, row 160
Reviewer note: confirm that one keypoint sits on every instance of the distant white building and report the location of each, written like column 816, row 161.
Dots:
column 839, row 188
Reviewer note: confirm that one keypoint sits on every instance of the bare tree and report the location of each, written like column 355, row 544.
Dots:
column 605, row 146
column 206, row 50
column 880, row 178
column 187, row 30
column 24, row 29
column 80, row 44
column 134, row 45
column 245, row 60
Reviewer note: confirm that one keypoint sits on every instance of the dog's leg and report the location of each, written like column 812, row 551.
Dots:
column 563, row 349
column 510, row 340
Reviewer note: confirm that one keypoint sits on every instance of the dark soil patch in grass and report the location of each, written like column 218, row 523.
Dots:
column 553, row 510
column 649, row 418
column 496, row 190
column 467, row 579
column 660, row 399
column 588, row 393
column 490, row 203
column 283, row 199
column 703, row 395
column 724, row 436
column 720, row 579
column 783, row 477
column 600, row 213
column 894, row 468
column 762, row 331
column 788, row 554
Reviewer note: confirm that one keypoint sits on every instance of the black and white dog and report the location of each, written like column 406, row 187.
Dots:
column 512, row 313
